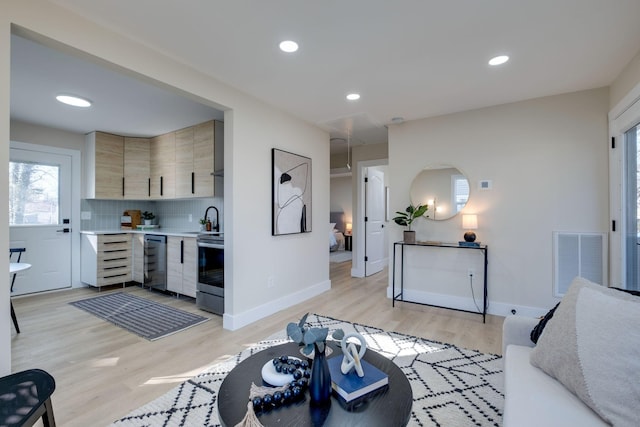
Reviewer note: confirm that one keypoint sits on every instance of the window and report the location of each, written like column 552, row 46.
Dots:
column 33, row 193
column 460, row 191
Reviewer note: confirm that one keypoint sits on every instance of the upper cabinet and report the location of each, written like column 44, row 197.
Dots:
column 163, row 170
column 104, row 166
column 137, row 168
column 195, row 147
column 178, row 164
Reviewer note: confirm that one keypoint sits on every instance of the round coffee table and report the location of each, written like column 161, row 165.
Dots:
column 390, row 407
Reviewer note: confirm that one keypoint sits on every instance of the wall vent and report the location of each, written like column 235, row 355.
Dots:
column 578, row 254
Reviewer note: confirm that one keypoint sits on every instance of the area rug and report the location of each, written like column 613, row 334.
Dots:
column 340, row 256
column 452, row 386
column 148, row 319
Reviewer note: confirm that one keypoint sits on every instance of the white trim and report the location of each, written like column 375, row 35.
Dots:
column 357, row 262
column 622, row 117
column 76, row 180
column 234, row 322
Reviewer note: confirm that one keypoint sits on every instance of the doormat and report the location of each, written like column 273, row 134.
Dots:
column 145, row 318
column 451, row 386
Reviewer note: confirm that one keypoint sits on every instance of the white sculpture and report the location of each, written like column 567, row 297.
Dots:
column 352, row 356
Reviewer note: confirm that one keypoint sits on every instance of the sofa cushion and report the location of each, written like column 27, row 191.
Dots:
column 592, row 346
column 534, row 399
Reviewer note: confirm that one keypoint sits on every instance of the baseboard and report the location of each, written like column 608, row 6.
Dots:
column 234, row 322
column 466, row 303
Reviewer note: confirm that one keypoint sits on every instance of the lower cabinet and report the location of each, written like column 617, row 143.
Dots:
column 182, row 267
column 105, row 259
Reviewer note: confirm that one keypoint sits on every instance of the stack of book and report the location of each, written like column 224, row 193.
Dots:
column 351, row 386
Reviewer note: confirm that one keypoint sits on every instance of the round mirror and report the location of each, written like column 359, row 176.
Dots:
column 441, row 187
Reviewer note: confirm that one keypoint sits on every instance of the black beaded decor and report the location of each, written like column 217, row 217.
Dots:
column 292, row 392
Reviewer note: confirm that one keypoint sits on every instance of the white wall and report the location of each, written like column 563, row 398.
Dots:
column 299, row 263
column 547, row 159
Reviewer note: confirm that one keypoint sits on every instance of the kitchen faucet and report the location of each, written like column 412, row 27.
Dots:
column 217, row 226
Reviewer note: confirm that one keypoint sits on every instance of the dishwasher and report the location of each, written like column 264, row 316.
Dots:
column 155, row 262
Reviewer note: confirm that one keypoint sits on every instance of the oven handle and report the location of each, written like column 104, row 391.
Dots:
column 210, row 245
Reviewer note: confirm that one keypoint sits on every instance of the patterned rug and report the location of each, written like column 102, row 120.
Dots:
column 148, row 319
column 452, row 387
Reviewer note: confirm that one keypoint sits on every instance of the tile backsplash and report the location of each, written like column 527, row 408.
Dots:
column 105, row 214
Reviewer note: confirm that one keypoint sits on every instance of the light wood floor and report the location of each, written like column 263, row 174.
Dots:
column 103, row 372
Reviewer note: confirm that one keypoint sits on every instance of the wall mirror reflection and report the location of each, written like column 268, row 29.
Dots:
column 443, row 188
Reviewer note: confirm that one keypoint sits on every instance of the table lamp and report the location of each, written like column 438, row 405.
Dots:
column 470, row 222
column 348, row 228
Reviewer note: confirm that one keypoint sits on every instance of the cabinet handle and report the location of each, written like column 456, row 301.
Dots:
column 123, row 186
column 193, row 182
column 149, row 186
column 161, row 186
column 181, row 251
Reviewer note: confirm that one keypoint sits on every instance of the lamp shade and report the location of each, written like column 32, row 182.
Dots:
column 348, row 228
column 470, row 222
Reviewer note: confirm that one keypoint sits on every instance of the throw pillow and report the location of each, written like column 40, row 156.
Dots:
column 537, row 330
column 592, row 346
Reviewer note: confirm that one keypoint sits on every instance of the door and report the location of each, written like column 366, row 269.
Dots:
column 40, row 218
column 631, row 204
column 374, row 222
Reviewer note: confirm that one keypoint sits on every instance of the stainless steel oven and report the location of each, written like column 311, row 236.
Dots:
column 210, row 287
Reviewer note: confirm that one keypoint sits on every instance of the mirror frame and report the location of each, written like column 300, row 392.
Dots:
column 430, row 196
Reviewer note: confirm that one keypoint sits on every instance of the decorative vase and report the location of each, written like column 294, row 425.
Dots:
column 320, row 383
column 148, row 222
column 409, row 236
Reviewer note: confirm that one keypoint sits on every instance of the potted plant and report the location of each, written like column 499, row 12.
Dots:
column 148, row 217
column 407, row 217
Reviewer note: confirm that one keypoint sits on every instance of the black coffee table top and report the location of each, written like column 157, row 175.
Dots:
column 390, row 407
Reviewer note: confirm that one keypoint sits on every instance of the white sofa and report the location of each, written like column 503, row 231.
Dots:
column 533, row 398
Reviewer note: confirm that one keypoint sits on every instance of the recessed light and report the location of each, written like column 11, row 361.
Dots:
column 498, row 60
column 353, row 96
column 288, row 46
column 74, row 101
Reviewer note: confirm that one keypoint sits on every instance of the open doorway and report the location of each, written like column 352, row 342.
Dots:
column 341, row 218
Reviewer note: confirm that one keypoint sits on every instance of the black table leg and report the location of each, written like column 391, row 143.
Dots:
column 14, row 318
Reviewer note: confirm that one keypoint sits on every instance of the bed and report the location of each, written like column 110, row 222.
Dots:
column 336, row 231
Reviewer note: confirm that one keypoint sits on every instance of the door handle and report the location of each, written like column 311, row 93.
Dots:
column 64, row 230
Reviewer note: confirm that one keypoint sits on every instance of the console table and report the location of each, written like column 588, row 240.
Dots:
column 400, row 296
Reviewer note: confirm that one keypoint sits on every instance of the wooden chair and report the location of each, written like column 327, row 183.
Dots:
column 26, row 397
column 13, row 251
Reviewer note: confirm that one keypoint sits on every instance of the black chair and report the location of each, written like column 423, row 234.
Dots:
column 25, row 397
column 12, row 251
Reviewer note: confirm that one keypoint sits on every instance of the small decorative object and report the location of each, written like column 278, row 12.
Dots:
column 203, row 223
column 406, row 218
column 148, row 217
column 314, row 340
column 285, row 369
column 352, row 356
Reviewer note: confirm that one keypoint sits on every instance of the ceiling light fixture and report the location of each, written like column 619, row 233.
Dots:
column 288, row 46
column 73, row 100
column 498, row 60
column 353, row 96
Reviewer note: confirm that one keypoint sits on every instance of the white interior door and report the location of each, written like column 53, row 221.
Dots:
column 40, row 218
column 374, row 222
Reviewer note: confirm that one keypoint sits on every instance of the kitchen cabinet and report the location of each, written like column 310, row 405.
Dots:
column 105, row 259
column 104, row 166
column 195, row 147
column 182, row 265
column 137, row 168
column 163, row 172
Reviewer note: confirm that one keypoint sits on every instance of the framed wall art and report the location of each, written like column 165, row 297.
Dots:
column 291, row 193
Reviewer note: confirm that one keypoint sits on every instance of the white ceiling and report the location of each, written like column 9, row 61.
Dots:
column 407, row 58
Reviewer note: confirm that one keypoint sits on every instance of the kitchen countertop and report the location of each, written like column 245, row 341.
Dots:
column 160, row 231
